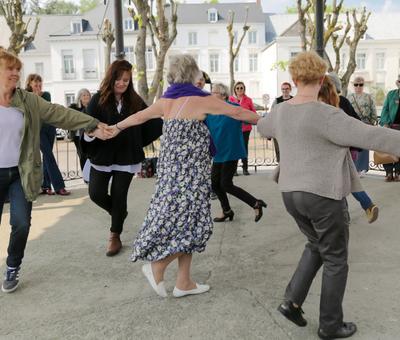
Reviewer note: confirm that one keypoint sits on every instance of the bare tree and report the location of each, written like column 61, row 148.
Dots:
column 234, row 51
column 334, row 32
column 13, row 12
column 107, row 35
column 162, row 33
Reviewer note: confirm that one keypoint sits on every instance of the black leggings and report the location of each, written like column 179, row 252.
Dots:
column 222, row 183
column 246, row 137
column 114, row 203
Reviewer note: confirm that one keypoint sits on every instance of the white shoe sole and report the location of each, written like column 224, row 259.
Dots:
column 158, row 288
column 200, row 289
column 9, row 290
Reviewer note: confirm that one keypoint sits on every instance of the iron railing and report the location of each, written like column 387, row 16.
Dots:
column 261, row 154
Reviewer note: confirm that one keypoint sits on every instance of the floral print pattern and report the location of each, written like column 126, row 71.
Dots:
column 179, row 216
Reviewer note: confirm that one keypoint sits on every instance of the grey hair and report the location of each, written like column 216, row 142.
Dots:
column 336, row 81
column 222, row 89
column 79, row 95
column 358, row 78
column 182, row 69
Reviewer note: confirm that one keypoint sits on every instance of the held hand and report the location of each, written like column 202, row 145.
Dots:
column 113, row 130
column 102, row 132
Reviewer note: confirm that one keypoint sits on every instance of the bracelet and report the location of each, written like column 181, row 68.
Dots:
column 116, row 125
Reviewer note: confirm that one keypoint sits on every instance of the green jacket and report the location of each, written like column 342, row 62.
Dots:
column 390, row 106
column 37, row 111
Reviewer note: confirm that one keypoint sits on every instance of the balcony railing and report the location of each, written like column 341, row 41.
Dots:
column 68, row 75
column 89, row 73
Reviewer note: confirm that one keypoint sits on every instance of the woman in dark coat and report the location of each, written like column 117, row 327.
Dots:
column 121, row 157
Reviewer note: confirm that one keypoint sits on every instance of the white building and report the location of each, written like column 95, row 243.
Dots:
column 69, row 54
column 377, row 58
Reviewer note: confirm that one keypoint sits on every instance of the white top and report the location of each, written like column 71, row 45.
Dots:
column 11, row 128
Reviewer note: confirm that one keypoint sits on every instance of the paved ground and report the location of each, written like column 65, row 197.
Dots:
column 71, row 290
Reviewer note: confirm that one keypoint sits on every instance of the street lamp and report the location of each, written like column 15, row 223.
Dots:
column 319, row 27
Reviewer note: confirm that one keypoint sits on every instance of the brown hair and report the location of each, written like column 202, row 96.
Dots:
column 239, row 83
column 287, row 84
column 32, row 77
column 130, row 99
column 307, row 67
column 8, row 59
column 328, row 94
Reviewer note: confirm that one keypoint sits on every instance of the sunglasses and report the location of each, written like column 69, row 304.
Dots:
column 239, row 88
column 356, row 85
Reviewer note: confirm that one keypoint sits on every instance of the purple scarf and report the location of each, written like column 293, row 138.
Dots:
column 175, row 91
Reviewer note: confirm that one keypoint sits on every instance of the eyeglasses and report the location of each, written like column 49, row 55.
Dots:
column 239, row 88
column 356, row 85
column 285, row 89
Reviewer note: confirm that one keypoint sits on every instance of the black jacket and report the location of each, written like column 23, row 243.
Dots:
column 127, row 147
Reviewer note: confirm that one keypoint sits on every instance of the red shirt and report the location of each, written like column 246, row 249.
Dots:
column 246, row 103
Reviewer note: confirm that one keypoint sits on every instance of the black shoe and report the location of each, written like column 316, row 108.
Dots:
column 246, row 172
column 292, row 313
column 259, row 206
column 236, row 174
column 213, row 196
column 228, row 214
column 346, row 331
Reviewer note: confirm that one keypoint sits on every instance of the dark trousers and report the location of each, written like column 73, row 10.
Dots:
column 246, row 137
column 222, row 183
column 51, row 172
column 325, row 223
column 114, row 203
column 79, row 151
column 20, row 214
column 392, row 167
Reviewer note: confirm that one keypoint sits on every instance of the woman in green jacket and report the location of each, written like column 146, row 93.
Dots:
column 390, row 117
column 21, row 116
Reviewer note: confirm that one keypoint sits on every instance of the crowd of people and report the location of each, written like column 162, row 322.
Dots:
column 203, row 136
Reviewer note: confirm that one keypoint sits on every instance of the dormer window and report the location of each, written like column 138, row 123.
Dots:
column 212, row 15
column 76, row 27
column 79, row 25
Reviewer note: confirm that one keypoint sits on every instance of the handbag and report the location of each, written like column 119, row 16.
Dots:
column 384, row 158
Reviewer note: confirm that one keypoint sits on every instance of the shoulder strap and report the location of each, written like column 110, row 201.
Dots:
column 358, row 106
column 180, row 109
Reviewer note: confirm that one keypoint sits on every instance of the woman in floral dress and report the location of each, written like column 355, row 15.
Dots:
column 178, row 222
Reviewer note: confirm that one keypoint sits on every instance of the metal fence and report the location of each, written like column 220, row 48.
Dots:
column 261, row 153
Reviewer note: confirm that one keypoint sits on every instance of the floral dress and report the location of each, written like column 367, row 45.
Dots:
column 179, row 216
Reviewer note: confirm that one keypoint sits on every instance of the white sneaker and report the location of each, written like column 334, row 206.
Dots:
column 200, row 289
column 158, row 288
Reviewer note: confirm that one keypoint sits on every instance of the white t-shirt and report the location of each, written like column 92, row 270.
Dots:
column 11, row 128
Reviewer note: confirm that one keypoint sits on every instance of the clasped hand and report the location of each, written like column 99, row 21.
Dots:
column 104, row 131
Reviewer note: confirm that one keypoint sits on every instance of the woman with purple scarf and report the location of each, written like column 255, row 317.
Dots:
column 178, row 222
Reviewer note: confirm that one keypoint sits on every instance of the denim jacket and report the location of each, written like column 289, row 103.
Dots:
column 37, row 111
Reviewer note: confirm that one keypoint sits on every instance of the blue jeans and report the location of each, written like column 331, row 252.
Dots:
column 20, row 214
column 363, row 199
column 362, row 161
column 51, row 173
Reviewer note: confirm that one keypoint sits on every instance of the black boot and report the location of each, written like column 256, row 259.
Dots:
column 260, row 204
column 227, row 214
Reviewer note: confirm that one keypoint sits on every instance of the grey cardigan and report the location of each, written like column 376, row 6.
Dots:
column 314, row 140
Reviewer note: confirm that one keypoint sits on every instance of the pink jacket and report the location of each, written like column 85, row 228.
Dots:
column 246, row 103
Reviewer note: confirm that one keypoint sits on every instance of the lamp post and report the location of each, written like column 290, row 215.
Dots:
column 319, row 26
column 119, row 37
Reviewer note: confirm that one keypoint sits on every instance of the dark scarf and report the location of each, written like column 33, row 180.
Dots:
column 178, row 90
